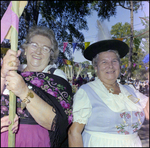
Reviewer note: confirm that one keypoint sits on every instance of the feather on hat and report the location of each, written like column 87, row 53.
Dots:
column 105, row 43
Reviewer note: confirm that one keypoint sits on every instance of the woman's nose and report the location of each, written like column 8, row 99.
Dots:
column 39, row 50
column 111, row 64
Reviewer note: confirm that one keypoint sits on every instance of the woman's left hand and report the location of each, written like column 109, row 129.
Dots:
column 15, row 83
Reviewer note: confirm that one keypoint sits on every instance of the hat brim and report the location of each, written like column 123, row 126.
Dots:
column 104, row 45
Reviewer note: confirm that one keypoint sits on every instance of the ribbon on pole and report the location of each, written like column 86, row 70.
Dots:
column 10, row 18
column 9, row 30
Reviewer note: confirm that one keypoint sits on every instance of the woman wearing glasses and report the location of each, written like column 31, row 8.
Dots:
column 44, row 96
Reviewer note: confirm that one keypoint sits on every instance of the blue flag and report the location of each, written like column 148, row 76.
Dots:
column 74, row 46
column 146, row 59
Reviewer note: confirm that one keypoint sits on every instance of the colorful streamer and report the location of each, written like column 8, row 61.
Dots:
column 11, row 18
column 65, row 45
column 74, row 46
column 86, row 44
column 134, row 64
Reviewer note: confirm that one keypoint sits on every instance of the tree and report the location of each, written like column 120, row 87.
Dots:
column 29, row 18
column 123, row 31
column 4, row 5
column 143, row 35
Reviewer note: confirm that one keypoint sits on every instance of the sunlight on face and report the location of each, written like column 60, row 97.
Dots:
column 36, row 59
column 108, row 67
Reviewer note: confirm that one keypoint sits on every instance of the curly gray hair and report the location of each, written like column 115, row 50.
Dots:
column 95, row 60
column 44, row 31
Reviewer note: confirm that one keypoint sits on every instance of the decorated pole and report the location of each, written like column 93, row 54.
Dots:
column 12, row 97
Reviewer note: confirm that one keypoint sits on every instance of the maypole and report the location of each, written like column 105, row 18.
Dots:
column 9, row 30
column 12, row 97
column 14, row 44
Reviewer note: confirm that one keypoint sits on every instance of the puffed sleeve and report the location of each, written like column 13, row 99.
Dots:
column 81, row 107
column 60, row 73
column 142, row 97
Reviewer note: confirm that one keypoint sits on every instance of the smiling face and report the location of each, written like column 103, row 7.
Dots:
column 108, row 67
column 36, row 59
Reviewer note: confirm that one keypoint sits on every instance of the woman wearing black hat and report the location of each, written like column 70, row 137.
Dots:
column 105, row 112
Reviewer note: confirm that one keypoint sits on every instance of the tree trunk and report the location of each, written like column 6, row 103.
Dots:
column 131, row 41
column 35, row 12
column 26, row 19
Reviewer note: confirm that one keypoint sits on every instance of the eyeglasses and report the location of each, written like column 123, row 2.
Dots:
column 35, row 46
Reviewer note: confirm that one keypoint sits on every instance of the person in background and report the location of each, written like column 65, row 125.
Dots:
column 146, row 88
column 122, row 80
column 79, row 81
column 105, row 112
column 74, row 79
column 84, row 81
column 87, row 78
column 93, row 77
column 43, row 94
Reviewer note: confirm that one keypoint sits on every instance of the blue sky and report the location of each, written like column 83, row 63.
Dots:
column 123, row 15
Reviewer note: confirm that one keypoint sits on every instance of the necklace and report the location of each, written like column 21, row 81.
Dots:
column 111, row 90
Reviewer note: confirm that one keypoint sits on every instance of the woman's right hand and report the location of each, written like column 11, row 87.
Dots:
column 10, row 62
column 5, row 122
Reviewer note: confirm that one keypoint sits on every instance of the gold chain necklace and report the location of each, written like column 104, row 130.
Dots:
column 111, row 89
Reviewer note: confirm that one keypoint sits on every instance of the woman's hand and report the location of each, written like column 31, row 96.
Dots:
column 16, row 84
column 10, row 62
column 5, row 122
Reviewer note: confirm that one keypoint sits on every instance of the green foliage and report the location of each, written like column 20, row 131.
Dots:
column 66, row 19
column 123, row 31
column 3, row 5
column 107, row 9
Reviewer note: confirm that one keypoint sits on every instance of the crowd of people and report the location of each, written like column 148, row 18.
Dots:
column 143, row 87
column 102, row 112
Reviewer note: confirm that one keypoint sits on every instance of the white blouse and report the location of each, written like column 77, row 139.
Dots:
column 82, row 107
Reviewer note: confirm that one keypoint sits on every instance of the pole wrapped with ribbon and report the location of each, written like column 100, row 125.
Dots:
column 9, row 30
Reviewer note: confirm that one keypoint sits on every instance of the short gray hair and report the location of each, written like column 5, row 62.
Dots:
column 95, row 59
column 44, row 31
